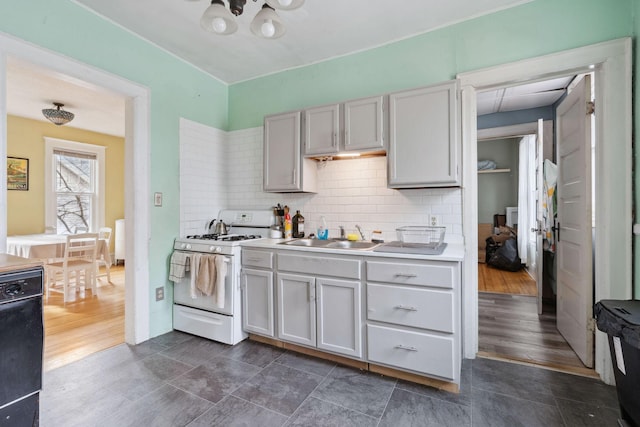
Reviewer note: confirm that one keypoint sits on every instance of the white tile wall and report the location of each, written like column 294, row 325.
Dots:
column 203, row 175
column 350, row 192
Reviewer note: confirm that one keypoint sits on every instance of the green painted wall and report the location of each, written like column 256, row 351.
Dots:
column 496, row 191
column 177, row 90
column 533, row 29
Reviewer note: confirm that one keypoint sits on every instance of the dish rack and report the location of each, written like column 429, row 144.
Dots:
column 423, row 236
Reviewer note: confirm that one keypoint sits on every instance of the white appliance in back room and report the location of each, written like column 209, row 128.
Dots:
column 202, row 316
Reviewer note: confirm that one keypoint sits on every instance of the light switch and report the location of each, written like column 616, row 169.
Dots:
column 157, row 199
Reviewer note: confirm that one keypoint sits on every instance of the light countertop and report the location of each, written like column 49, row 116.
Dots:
column 12, row 263
column 453, row 251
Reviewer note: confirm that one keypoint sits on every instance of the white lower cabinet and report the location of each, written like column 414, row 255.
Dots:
column 417, row 351
column 319, row 311
column 257, row 292
column 409, row 320
column 413, row 316
column 296, row 308
column 339, row 316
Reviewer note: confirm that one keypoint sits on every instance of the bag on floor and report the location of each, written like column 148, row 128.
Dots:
column 491, row 247
column 506, row 256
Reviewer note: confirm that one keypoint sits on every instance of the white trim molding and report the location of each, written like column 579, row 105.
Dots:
column 612, row 66
column 137, row 180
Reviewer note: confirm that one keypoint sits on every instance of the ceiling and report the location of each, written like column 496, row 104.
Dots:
column 522, row 97
column 318, row 31
column 31, row 89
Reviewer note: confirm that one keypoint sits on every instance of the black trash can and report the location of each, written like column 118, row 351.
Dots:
column 620, row 319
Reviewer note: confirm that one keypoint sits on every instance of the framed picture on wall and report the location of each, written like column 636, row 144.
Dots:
column 17, row 174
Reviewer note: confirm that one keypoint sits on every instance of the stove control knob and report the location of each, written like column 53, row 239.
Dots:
column 216, row 249
column 185, row 246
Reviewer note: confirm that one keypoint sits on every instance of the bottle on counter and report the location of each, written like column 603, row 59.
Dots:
column 298, row 225
column 287, row 223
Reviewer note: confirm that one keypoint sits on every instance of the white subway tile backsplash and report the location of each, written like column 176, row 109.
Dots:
column 224, row 170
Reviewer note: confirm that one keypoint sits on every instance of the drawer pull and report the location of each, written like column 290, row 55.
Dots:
column 254, row 259
column 408, row 276
column 402, row 307
column 405, row 347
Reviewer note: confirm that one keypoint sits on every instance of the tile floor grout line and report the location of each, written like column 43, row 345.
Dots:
column 258, row 405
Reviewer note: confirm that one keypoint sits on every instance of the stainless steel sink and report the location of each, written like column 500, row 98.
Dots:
column 315, row 243
column 330, row 243
column 348, row 244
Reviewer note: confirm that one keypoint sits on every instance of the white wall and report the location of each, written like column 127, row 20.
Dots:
column 350, row 192
column 214, row 175
column 203, row 170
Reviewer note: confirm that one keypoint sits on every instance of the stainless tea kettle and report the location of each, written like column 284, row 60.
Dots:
column 220, row 227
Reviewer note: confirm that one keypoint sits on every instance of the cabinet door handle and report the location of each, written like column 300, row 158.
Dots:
column 293, row 176
column 406, row 347
column 402, row 307
column 334, row 139
column 408, row 276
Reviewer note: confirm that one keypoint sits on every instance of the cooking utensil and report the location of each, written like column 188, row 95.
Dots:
column 219, row 227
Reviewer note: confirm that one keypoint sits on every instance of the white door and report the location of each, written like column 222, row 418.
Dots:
column 538, row 228
column 257, row 301
column 574, row 280
column 339, row 317
column 296, row 309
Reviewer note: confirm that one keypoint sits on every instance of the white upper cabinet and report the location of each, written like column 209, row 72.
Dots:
column 356, row 125
column 424, row 148
column 322, row 130
column 284, row 168
column 364, row 124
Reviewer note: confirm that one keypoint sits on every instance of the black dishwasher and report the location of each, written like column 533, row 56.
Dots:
column 21, row 349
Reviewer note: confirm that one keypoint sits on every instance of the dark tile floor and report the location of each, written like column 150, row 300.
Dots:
column 181, row 380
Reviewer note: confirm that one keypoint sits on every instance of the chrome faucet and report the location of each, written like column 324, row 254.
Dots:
column 361, row 233
column 342, row 236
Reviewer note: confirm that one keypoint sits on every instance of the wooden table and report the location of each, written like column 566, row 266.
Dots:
column 47, row 246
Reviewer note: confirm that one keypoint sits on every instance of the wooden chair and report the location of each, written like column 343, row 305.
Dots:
column 104, row 234
column 79, row 259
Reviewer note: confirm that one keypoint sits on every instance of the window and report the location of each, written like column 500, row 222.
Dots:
column 74, row 183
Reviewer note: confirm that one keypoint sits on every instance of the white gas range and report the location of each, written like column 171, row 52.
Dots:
column 202, row 316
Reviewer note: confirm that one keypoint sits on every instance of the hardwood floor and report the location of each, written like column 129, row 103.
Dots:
column 495, row 280
column 85, row 326
column 510, row 328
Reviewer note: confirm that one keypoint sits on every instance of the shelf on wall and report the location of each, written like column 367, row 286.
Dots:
column 494, row 171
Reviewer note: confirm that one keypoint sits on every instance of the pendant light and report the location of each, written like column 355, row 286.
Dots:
column 57, row 115
column 267, row 24
column 217, row 19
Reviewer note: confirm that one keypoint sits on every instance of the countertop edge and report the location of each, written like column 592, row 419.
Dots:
column 453, row 251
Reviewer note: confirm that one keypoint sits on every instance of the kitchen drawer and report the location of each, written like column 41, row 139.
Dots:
column 320, row 266
column 428, row 273
column 416, row 307
column 205, row 324
column 419, row 352
column 260, row 259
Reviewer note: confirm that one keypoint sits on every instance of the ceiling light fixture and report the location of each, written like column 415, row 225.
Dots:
column 57, row 115
column 266, row 24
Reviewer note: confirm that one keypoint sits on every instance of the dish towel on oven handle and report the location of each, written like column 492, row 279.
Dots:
column 210, row 277
column 179, row 265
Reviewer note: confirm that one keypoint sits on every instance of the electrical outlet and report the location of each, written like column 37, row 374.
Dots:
column 434, row 220
column 160, row 293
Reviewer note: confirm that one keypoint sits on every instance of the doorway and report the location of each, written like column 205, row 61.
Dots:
column 517, row 306
column 137, row 149
column 612, row 63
